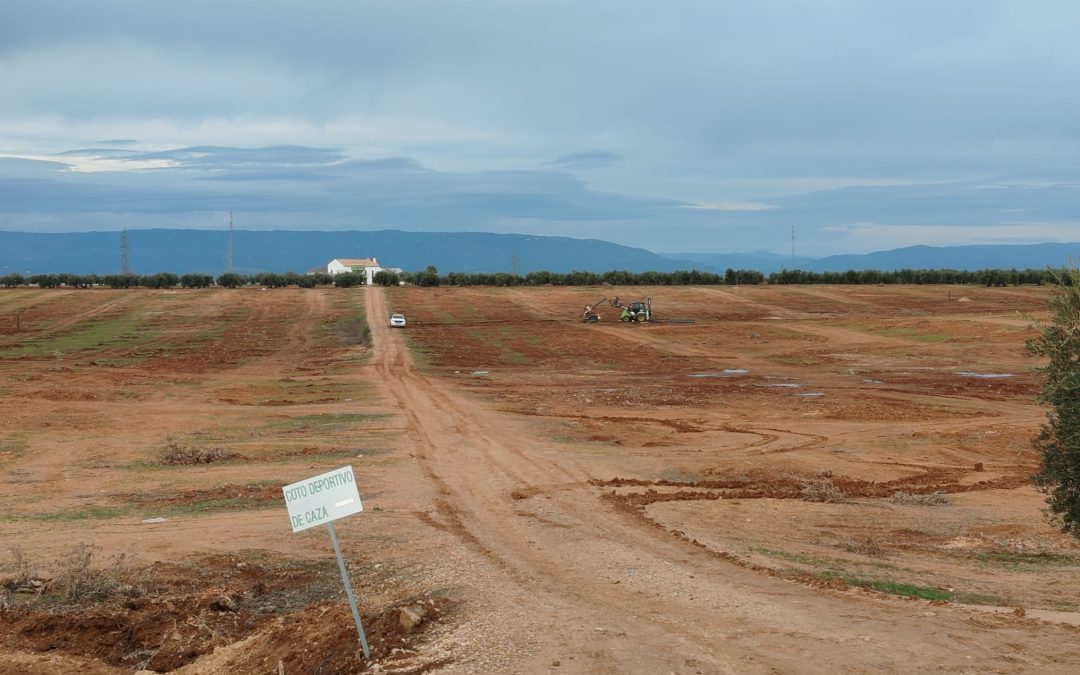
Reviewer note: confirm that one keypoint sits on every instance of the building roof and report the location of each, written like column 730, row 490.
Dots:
column 358, row 262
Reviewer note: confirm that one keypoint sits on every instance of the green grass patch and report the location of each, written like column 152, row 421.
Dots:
column 796, row 360
column 125, row 331
column 352, row 331
column 979, row 599
column 791, row 557
column 140, row 334
column 322, row 423
column 147, row 508
column 209, row 506
column 278, row 454
column 12, row 447
column 276, row 439
column 1023, row 560
column 506, row 355
column 421, row 355
column 290, row 392
column 330, row 421
column 335, row 453
column 93, row 512
column 833, row 565
column 889, row 586
column 1061, row 605
column 20, row 299
column 444, row 317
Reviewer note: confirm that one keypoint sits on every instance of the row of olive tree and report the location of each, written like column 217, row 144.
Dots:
column 430, row 277
column 159, row 280
column 170, row 280
column 987, row 277
column 731, row 277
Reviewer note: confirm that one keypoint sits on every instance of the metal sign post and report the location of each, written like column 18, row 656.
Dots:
column 348, row 589
column 321, row 500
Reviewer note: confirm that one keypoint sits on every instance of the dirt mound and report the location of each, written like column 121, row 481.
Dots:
column 169, row 616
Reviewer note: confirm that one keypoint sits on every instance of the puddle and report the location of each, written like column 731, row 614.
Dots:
column 479, row 372
column 811, row 394
column 778, row 377
column 986, row 376
column 726, row 372
column 785, row 385
column 610, row 390
column 873, row 382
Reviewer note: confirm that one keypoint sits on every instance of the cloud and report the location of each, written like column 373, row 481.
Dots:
column 592, row 159
column 694, row 125
column 308, row 187
column 84, row 161
column 282, row 180
column 217, row 157
column 868, row 237
column 730, row 206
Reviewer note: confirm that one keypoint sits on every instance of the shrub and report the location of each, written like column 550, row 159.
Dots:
column 868, row 547
column 911, row 499
column 177, row 453
column 78, row 583
column 353, row 332
column 1058, row 441
column 822, row 491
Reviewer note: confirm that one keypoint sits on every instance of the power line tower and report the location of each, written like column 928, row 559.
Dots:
column 228, row 254
column 124, row 251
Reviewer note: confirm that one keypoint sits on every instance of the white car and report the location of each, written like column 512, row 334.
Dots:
column 397, row 320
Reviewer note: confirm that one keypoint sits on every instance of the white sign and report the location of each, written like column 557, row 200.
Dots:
column 322, row 499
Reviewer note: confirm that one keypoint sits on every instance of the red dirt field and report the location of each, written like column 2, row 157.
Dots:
column 795, row 479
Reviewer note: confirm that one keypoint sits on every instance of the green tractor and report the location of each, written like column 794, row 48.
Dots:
column 638, row 311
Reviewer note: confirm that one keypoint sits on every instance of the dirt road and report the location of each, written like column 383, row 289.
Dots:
column 600, row 591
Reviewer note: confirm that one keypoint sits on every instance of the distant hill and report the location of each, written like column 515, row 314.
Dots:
column 975, row 257
column 762, row 261
column 183, row 251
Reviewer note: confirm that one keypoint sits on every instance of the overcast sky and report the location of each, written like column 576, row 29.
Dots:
column 675, row 126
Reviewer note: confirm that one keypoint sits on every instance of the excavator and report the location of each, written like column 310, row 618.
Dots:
column 591, row 315
column 637, row 311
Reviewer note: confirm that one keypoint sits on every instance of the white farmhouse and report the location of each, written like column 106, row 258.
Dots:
column 369, row 267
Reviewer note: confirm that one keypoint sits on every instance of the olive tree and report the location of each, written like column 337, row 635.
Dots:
column 385, row 278
column 1058, row 441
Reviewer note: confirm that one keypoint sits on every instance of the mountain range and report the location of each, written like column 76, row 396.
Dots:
column 185, row 250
